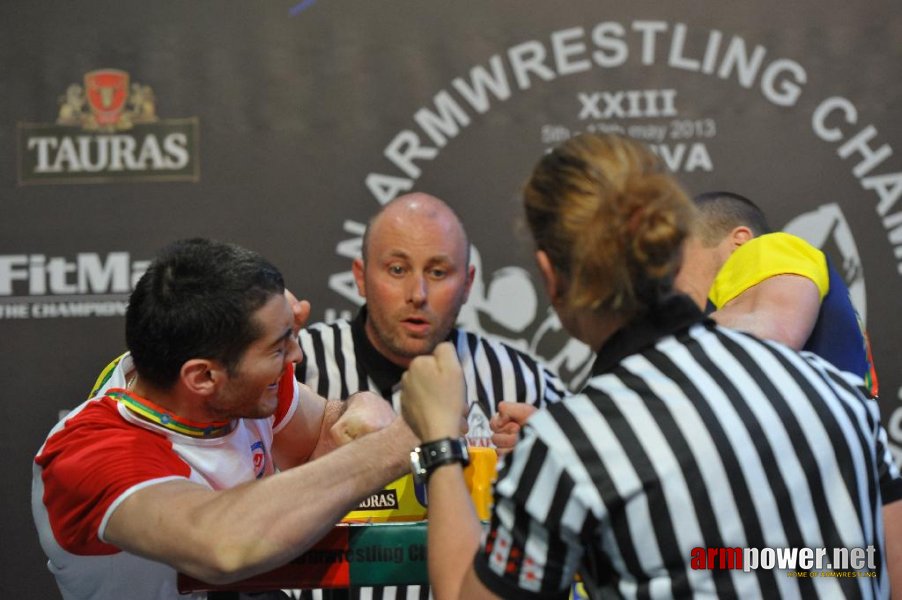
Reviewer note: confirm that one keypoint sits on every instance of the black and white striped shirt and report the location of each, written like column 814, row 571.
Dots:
column 691, row 436
column 339, row 360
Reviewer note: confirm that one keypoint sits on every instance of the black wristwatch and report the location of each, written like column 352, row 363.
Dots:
column 425, row 459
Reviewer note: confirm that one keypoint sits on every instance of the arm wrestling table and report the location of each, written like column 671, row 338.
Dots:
column 351, row 555
column 382, row 542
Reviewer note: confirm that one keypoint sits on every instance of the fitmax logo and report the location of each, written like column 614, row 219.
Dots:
column 89, row 273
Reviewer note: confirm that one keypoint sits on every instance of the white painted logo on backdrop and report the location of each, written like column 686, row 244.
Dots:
column 826, row 228
column 505, row 304
column 36, row 286
column 680, row 140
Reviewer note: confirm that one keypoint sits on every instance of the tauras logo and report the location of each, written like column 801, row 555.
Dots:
column 109, row 153
column 108, row 130
column 384, row 500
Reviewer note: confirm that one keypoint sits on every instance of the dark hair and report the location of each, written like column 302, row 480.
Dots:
column 611, row 220
column 197, row 300
column 722, row 212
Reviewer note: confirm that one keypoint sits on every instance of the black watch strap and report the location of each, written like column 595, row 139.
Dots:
column 431, row 455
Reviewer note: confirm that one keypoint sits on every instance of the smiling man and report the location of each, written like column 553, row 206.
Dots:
column 172, row 467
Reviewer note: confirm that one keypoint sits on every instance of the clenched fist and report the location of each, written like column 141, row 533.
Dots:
column 507, row 423
column 433, row 395
column 365, row 412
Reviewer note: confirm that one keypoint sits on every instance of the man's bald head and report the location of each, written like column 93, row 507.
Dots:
column 411, row 210
column 415, row 275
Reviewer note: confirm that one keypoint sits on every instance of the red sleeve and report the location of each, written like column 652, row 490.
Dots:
column 287, row 395
column 91, row 462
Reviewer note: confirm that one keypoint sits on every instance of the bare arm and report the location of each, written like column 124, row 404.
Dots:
column 346, row 420
column 320, row 426
column 294, row 444
column 453, row 537
column 782, row 308
column 223, row 536
column 433, row 402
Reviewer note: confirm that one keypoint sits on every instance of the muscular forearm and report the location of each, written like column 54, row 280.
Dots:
column 319, row 494
column 222, row 536
column 321, row 425
column 433, row 401
column 345, row 421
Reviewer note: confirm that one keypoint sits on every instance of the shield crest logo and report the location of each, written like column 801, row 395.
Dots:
column 258, row 454
column 107, row 93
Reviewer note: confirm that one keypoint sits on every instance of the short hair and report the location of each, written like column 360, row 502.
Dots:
column 197, row 299
column 722, row 212
column 365, row 241
column 611, row 220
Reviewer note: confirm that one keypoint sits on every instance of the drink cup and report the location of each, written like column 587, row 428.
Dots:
column 480, row 475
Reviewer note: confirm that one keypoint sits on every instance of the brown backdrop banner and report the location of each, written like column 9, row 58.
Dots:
column 284, row 125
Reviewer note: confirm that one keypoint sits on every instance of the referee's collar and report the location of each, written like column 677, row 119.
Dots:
column 674, row 314
column 384, row 372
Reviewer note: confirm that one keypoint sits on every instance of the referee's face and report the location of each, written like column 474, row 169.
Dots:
column 415, row 280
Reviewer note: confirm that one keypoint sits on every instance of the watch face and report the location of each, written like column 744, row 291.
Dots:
column 417, row 468
column 426, row 458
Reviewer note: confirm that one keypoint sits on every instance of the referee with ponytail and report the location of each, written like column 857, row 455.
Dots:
column 688, row 441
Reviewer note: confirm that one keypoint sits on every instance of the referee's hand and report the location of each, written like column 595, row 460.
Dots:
column 507, row 423
column 433, row 398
